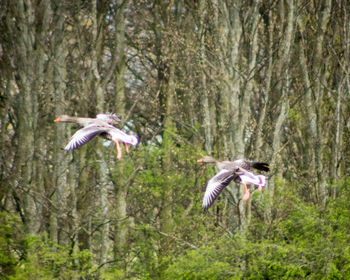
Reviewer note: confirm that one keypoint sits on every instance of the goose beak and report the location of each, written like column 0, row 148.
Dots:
column 57, row 120
column 200, row 160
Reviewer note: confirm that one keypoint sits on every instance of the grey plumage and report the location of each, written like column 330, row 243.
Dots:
column 102, row 126
column 238, row 171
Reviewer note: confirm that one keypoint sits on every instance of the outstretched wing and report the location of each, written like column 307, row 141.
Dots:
column 216, row 185
column 84, row 135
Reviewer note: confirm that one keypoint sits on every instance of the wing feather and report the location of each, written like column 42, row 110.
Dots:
column 216, row 185
column 84, row 135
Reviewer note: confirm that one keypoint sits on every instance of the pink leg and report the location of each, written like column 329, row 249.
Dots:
column 126, row 148
column 260, row 188
column 246, row 192
column 119, row 150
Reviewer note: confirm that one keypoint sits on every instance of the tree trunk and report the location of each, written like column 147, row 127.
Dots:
column 96, row 88
column 267, row 88
column 205, row 96
column 283, row 102
column 336, row 146
column 313, row 101
column 59, row 226
column 247, row 93
column 166, row 217
column 230, row 93
column 23, row 35
column 342, row 94
column 122, row 220
column 232, row 116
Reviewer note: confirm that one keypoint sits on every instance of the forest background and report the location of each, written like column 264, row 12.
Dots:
column 265, row 80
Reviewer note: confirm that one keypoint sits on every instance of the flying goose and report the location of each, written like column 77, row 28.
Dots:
column 238, row 171
column 102, row 125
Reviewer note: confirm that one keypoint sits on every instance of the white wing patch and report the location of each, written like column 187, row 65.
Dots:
column 248, row 177
column 119, row 135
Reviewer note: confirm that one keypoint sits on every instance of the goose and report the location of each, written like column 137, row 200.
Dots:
column 102, row 125
column 238, row 171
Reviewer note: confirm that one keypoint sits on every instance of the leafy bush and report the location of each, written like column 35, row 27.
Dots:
column 37, row 257
column 198, row 265
column 307, row 242
column 47, row 260
column 10, row 244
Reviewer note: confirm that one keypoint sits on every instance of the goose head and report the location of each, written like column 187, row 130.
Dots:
column 65, row 118
column 207, row 159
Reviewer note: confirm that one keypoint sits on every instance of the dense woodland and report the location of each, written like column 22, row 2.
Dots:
column 266, row 80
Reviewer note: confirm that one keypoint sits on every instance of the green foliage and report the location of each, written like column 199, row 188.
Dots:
column 152, row 179
column 10, row 244
column 235, row 258
column 300, row 240
column 197, row 265
column 303, row 241
column 113, row 274
column 293, row 115
column 37, row 257
column 47, row 260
